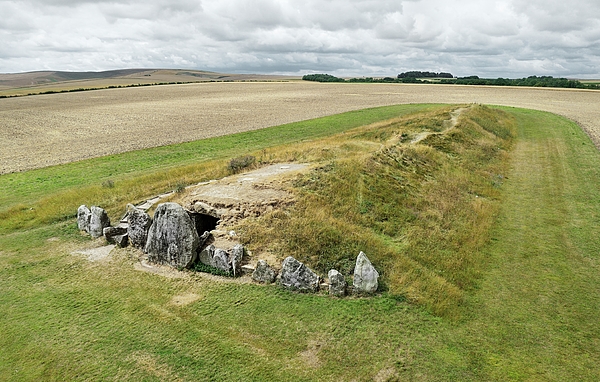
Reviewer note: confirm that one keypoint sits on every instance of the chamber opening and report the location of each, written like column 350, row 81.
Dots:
column 204, row 222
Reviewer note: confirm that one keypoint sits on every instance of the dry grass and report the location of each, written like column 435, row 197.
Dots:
column 62, row 128
column 421, row 211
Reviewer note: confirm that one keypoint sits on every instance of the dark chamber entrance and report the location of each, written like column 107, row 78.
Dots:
column 204, row 222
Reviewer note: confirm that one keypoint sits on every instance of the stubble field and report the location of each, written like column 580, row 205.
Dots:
column 44, row 130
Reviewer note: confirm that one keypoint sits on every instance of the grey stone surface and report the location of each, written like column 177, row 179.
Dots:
column 206, row 255
column 98, row 221
column 263, row 273
column 365, row 275
column 228, row 261
column 172, row 237
column 203, row 239
column 237, row 254
column 121, row 240
column 221, row 260
column 83, row 218
column 139, row 223
column 297, row 276
column 337, row 283
column 116, row 235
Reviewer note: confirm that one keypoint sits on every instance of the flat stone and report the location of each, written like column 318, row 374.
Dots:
column 114, row 235
column 247, row 269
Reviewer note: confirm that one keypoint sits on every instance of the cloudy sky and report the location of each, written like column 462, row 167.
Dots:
column 489, row 38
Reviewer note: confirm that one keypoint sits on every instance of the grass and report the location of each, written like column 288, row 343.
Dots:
column 530, row 314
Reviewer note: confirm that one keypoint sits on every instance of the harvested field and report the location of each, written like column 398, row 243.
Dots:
column 44, row 130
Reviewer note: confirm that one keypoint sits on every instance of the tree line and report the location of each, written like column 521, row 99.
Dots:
column 447, row 78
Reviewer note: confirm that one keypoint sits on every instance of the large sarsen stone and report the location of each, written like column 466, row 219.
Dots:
column 172, row 237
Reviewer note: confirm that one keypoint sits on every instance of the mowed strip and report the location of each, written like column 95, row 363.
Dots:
column 45, row 130
column 534, row 316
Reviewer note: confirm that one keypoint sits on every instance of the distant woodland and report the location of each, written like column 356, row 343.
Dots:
column 447, row 78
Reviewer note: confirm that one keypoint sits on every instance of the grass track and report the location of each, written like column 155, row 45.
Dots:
column 532, row 317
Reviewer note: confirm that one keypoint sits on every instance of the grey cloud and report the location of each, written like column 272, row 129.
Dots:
column 343, row 37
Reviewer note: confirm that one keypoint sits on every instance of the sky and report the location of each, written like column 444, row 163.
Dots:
column 488, row 38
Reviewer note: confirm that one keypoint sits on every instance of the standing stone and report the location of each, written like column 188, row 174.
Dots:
column 297, row 276
column 206, row 256
column 220, row 260
column 83, row 218
column 264, row 273
column 172, row 237
column 337, row 283
column 139, row 223
column 237, row 254
column 98, row 221
column 365, row 275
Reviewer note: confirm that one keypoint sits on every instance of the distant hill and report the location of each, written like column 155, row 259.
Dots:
column 48, row 81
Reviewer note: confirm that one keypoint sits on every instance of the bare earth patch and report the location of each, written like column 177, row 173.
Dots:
column 185, row 299
column 44, row 130
column 96, row 254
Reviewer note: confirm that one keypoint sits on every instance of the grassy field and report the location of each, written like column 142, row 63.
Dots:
column 529, row 314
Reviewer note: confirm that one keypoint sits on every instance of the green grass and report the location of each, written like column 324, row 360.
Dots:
column 530, row 315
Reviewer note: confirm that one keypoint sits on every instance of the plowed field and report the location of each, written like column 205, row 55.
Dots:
column 44, row 130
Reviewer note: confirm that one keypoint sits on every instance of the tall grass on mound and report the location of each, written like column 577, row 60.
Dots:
column 421, row 210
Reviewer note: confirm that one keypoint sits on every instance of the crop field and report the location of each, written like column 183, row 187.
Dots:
column 483, row 221
column 44, row 130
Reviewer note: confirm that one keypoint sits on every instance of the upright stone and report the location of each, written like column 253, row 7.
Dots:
column 337, row 283
column 83, row 218
column 98, row 221
column 297, row 276
column 237, row 254
column 264, row 273
column 221, row 260
column 172, row 237
column 207, row 254
column 365, row 275
column 139, row 223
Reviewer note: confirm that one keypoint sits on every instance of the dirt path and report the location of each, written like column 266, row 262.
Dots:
column 45, row 130
column 449, row 124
